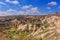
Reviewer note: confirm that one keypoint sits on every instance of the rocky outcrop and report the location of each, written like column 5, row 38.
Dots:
column 45, row 26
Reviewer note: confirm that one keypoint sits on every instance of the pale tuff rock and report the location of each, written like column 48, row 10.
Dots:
column 30, row 26
column 15, row 22
column 42, row 35
column 54, row 22
column 50, row 31
column 36, row 26
column 22, row 27
column 37, row 32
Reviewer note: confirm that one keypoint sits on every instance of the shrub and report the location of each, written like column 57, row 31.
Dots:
column 46, row 24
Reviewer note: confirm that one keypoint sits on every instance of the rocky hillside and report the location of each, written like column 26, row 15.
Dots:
column 46, row 27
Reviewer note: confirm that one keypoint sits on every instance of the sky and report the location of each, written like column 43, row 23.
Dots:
column 29, row 7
